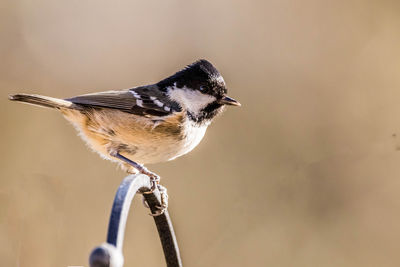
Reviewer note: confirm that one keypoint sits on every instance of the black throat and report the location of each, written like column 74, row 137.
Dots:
column 207, row 114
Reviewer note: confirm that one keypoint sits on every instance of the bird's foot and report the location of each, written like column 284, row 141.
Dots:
column 155, row 185
column 154, row 179
column 164, row 201
column 163, row 198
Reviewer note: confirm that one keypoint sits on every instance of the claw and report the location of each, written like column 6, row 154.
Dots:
column 154, row 182
column 157, row 213
column 164, row 201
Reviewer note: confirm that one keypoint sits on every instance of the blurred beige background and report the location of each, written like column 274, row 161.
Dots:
column 306, row 173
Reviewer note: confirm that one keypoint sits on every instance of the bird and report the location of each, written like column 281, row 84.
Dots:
column 146, row 124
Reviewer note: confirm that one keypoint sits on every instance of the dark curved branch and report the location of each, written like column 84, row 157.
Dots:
column 111, row 256
column 166, row 232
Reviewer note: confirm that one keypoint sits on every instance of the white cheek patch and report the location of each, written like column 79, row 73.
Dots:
column 192, row 100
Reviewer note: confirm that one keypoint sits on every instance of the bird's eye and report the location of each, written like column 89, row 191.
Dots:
column 203, row 88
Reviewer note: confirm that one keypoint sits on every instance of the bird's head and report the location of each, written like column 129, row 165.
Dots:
column 199, row 89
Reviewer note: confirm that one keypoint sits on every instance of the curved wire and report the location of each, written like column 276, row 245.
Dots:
column 105, row 255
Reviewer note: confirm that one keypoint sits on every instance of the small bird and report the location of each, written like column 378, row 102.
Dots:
column 146, row 124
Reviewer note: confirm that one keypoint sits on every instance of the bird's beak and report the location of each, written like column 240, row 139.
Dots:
column 226, row 100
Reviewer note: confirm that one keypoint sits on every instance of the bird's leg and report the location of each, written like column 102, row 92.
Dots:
column 154, row 180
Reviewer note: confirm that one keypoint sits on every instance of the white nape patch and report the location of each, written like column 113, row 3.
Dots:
column 220, row 79
column 139, row 103
column 192, row 100
column 158, row 103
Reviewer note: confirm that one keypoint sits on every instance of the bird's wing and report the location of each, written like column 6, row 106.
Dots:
column 144, row 100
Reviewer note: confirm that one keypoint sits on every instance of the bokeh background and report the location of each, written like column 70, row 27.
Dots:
column 305, row 173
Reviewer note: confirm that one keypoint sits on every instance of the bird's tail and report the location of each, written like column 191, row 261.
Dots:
column 43, row 101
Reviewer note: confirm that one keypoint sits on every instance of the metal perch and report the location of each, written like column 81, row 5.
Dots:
column 109, row 254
